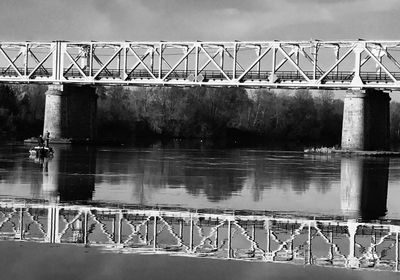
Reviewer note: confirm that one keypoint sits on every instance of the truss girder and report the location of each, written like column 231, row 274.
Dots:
column 291, row 64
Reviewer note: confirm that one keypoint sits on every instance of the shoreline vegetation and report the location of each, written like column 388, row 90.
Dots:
column 224, row 116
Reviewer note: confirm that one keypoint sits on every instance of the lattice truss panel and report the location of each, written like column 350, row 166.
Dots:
column 24, row 224
column 252, row 238
column 313, row 64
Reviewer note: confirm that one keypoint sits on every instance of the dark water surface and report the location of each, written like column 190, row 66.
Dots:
column 236, row 204
column 241, row 179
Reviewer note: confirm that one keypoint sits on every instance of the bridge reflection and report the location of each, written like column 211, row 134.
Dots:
column 255, row 237
column 68, row 176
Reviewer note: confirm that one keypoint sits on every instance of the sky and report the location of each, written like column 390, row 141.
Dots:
column 204, row 20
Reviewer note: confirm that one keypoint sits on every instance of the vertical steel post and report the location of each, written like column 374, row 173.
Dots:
column 125, row 63
column 352, row 260
column 57, row 238
column 55, row 64
column 337, row 53
column 268, row 245
column 91, row 50
column 191, row 234
column 21, row 224
column 221, row 62
column 155, row 233
column 315, row 61
column 186, row 62
column 253, row 235
column 151, row 60
column 121, row 216
column 234, row 61
column 85, row 228
column 309, row 244
column 26, row 59
column 160, row 61
column 180, row 229
column 397, row 251
column 196, row 62
column 331, row 251
column 146, row 232
column 113, row 228
column 273, row 66
column 49, row 224
column 259, row 63
column 229, row 240
column 216, row 237
column 297, row 59
column 119, row 62
column 357, row 62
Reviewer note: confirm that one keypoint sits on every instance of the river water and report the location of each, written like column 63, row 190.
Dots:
column 260, row 183
column 237, row 179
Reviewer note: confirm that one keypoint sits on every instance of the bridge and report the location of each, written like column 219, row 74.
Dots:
column 365, row 68
column 311, row 64
column 202, row 234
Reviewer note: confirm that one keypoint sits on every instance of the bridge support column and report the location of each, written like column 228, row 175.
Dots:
column 70, row 113
column 366, row 118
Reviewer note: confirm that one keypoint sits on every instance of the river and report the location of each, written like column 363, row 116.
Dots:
column 288, row 189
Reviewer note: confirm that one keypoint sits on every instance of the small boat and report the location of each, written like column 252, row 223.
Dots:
column 41, row 151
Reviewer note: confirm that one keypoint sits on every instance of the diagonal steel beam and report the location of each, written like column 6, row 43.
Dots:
column 140, row 60
column 13, row 60
column 143, row 57
column 311, row 60
column 76, row 64
column 209, row 60
column 108, row 62
column 283, row 61
column 255, row 62
column 336, row 64
column 162, row 58
column 178, row 62
column 215, row 63
column 10, row 61
column 379, row 63
column 293, row 63
column 37, row 60
column 100, row 63
column 393, row 59
column 71, row 64
column 231, row 56
column 40, row 64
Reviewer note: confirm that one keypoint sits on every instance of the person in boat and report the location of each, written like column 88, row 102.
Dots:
column 40, row 141
column 47, row 138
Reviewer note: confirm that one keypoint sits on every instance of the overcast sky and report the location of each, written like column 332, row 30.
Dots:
column 205, row 20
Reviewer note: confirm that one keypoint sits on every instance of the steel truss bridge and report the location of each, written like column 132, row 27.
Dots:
column 290, row 64
column 333, row 243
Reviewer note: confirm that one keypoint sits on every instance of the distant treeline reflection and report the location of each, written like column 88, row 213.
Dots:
column 234, row 114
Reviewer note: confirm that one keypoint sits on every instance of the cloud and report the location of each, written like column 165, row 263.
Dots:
column 155, row 20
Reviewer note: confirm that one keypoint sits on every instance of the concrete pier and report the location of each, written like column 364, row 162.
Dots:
column 70, row 113
column 366, row 118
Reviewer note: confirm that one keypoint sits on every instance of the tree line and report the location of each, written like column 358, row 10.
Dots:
column 233, row 114
column 228, row 114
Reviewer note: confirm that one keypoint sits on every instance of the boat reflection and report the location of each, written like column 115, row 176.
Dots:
column 67, row 178
column 364, row 187
column 250, row 237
